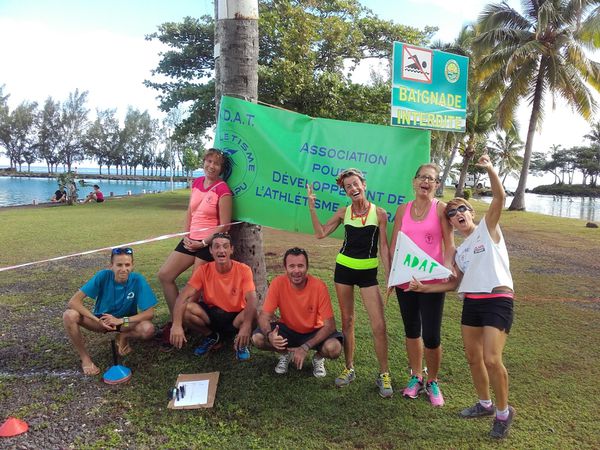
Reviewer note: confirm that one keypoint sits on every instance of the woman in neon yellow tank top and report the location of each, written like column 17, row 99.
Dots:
column 356, row 264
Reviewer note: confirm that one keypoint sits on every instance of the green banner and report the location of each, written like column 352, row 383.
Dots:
column 275, row 153
column 429, row 88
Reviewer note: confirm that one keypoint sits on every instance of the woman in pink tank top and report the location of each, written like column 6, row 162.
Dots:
column 423, row 221
column 209, row 212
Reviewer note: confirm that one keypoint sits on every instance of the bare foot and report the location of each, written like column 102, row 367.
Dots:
column 90, row 369
column 123, row 347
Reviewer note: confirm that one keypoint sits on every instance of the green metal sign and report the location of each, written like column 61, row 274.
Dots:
column 276, row 153
column 429, row 88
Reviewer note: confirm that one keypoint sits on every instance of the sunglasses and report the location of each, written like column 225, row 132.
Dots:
column 222, row 236
column 461, row 209
column 122, row 251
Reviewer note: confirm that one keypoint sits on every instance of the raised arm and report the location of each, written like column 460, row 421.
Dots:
column 322, row 230
column 492, row 217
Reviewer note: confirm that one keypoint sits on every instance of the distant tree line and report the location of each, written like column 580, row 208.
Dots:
column 62, row 134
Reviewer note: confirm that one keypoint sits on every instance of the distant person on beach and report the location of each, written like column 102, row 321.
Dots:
column 124, row 304
column 356, row 265
column 306, row 319
column 96, row 195
column 209, row 212
column 60, row 196
column 485, row 283
column 228, row 303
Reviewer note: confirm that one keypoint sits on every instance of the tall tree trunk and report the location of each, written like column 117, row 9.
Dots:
column 440, row 190
column 518, row 202
column 469, row 152
column 236, row 74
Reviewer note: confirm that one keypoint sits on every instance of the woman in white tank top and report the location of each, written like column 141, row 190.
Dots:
column 485, row 283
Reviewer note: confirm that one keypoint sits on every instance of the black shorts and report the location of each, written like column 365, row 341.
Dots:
column 422, row 315
column 494, row 312
column 296, row 339
column 221, row 321
column 361, row 278
column 99, row 200
column 203, row 253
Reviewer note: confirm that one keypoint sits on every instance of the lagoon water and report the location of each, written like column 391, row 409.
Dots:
column 24, row 190
column 586, row 208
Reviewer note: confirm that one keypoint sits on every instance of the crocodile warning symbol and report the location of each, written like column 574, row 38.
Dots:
column 416, row 64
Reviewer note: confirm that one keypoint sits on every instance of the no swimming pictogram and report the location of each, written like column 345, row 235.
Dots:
column 416, row 64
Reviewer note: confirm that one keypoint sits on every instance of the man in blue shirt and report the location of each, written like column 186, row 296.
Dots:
column 119, row 294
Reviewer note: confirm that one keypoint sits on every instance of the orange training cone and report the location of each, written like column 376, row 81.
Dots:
column 13, row 427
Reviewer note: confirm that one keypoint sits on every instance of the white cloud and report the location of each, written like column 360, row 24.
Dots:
column 53, row 62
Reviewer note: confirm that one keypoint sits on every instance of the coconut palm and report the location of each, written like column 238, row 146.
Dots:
column 505, row 149
column 536, row 53
column 480, row 116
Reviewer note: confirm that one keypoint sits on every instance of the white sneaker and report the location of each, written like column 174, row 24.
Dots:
column 319, row 366
column 284, row 362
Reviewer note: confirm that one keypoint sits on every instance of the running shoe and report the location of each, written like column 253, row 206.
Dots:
column 345, row 378
column 477, row 410
column 284, row 362
column 384, row 384
column 500, row 428
column 207, row 344
column 318, row 363
column 242, row 354
column 435, row 394
column 414, row 387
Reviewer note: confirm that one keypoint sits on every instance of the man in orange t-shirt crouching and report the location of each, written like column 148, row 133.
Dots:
column 306, row 322
column 228, row 305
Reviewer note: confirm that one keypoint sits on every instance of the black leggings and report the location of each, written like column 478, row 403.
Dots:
column 422, row 313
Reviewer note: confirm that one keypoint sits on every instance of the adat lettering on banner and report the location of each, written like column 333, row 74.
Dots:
column 410, row 261
column 235, row 117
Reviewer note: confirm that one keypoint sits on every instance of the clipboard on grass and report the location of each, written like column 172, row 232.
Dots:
column 200, row 391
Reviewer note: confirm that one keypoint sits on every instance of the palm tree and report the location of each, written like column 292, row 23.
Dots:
column 505, row 151
column 480, row 116
column 538, row 52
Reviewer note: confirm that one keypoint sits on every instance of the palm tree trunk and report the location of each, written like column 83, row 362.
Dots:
column 469, row 152
column 440, row 189
column 236, row 74
column 518, row 202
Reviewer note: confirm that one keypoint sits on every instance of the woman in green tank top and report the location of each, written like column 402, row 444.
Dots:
column 356, row 264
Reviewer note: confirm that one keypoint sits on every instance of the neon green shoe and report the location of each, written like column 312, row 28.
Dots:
column 345, row 378
column 384, row 384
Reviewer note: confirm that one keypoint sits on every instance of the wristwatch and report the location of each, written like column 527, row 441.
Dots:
column 125, row 322
column 305, row 347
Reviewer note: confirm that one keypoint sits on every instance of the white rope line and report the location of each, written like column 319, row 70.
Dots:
column 129, row 244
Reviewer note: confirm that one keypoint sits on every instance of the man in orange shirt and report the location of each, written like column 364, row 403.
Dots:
column 228, row 305
column 306, row 321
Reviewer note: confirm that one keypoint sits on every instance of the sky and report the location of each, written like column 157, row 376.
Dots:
column 51, row 47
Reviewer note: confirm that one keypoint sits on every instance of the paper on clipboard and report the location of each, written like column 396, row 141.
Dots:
column 200, row 391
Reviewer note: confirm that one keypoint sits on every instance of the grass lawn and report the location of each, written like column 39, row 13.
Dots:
column 552, row 355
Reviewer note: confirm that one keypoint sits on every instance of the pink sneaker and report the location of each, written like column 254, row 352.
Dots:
column 435, row 394
column 414, row 387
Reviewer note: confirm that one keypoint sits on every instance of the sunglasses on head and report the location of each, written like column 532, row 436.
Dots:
column 122, row 251
column 461, row 209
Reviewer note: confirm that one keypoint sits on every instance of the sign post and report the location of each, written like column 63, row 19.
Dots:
column 429, row 88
